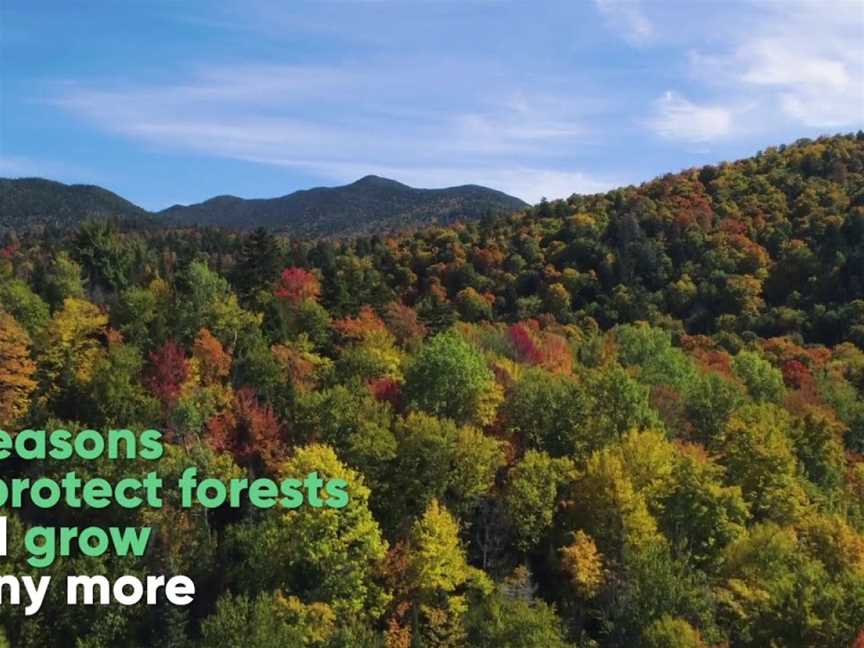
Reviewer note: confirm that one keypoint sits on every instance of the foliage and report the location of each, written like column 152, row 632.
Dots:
column 531, row 495
column 24, row 305
column 16, row 371
column 448, row 377
column 267, row 621
column 511, row 616
column 623, row 419
column 763, row 381
column 671, row 632
column 331, row 556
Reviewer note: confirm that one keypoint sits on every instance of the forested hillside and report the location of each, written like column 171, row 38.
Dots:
column 627, row 419
column 31, row 202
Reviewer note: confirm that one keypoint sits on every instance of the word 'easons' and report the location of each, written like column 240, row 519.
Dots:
column 96, row 590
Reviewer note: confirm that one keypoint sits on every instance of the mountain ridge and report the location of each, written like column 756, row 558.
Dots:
column 371, row 204
column 25, row 202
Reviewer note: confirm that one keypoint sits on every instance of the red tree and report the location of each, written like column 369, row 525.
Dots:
column 522, row 340
column 167, row 372
column 297, row 285
column 403, row 322
column 542, row 348
column 250, row 432
column 796, row 374
column 386, row 389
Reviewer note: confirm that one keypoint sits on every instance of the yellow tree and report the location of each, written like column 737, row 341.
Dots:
column 609, row 505
column 436, row 573
column 16, row 370
column 70, row 345
column 583, row 564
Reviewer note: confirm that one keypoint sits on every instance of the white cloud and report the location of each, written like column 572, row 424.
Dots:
column 532, row 184
column 816, row 88
column 249, row 109
column 802, row 62
column 677, row 118
column 302, row 117
column 627, row 17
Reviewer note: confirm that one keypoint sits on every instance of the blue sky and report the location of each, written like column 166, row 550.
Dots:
column 174, row 102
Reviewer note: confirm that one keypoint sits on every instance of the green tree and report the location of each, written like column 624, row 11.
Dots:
column 531, row 495
column 550, row 412
column 774, row 591
column 331, row 556
column 650, row 351
column 671, row 632
column 269, row 620
column 449, row 377
column 118, row 397
column 258, row 265
column 439, row 460
column 651, row 586
column 818, row 440
column 354, row 423
column 142, row 313
column 104, row 254
column 759, row 457
column 606, row 504
column 24, row 305
column 472, row 306
column 208, row 302
column 709, row 401
column 618, row 404
column 763, row 381
column 62, row 279
column 700, row 514
column 306, row 318
column 435, row 571
column 506, row 617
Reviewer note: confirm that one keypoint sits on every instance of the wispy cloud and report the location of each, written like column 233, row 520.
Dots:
column 299, row 116
column 677, row 118
column 802, row 62
column 532, row 99
column 628, row 19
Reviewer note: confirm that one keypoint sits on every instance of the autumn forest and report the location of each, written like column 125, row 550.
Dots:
column 633, row 418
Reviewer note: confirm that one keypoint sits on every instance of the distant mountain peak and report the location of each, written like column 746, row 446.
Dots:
column 372, row 204
column 378, row 181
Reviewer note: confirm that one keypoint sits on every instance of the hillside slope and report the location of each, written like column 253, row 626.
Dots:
column 767, row 245
column 27, row 202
